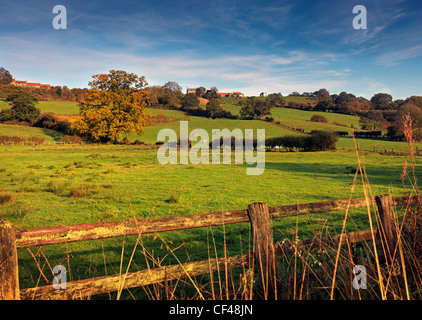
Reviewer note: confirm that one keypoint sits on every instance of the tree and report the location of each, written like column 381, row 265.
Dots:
column 171, row 96
column 190, row 101
column 359, row 105
column 342, row 102
column 254, row 108
column 200, row 91
column 413, row 100
column 372, row 120
column 115, row 104
column 276, row 100
column 23, row 106
column 383, row 101
column 322, row 94
column 396, row 130
column 154, row 96
column 325, row 104
column 211, row 94
column 213, row 108
column 5, row 76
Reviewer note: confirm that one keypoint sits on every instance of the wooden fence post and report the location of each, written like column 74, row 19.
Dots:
column 388, row 232
column 9, row 276
column 263, row 249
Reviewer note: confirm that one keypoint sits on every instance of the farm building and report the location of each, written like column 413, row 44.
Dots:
column 29, row 84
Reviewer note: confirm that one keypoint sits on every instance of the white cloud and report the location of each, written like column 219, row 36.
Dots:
column 393, row 58
column 73, row 66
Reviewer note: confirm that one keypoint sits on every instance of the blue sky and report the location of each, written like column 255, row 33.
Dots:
column 248, row 46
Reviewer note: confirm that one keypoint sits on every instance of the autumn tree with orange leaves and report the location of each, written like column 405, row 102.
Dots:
column 115, row 104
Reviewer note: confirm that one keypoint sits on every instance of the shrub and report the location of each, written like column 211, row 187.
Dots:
column 290, row 143
column 55, row 187
column 319, row 118
column 317, row 141
column 46, row 120
column 21, row 140
column 233, row 143
column 174, row 197
column 341, row 133
column 64, row 127
column 71, row 140
column 160, row 118
column 49, row 120
column 6, row 115
column 81, row 192
column 138, row 142
column 368, row 134
column 321, row 141
column 5, row 197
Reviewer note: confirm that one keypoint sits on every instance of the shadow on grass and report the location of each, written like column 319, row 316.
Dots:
column 381, row 174
column 53, row 134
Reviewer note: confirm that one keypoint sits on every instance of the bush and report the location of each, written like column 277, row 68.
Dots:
column 138, row 142
column 80, row 192
column 233, row 143
column 290, row 143
column 28, row 114
column 49, row 120
column 321, row 141
column 21, row 140
column 190, row 101
column 5, row 197
column 64, row 127
column 46, row 120
column 71, row 140
column 319, row 118
column 317, row 141
column 368, row 134
column 341, row 133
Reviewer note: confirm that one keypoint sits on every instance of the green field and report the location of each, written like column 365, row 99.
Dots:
column 53, row 184
column 271, row 130
column 25, row 131
column 59, row 107
column 114, row 183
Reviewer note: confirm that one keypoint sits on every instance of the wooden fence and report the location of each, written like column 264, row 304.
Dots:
column 263, row 254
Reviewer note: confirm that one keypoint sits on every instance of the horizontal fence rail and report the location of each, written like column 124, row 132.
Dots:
column 21, row 238
column 92, row 231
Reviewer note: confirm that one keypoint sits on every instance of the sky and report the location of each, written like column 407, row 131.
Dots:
column 247, row 46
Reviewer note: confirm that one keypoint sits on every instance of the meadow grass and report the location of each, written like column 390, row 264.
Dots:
column 54, row 185
column 73, row 184
column 271, row 130
column 56, row 106
column 26, row 131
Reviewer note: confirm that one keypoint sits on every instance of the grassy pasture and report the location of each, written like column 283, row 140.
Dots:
column 54, row 185
column 271, row 130
column 25, row 131
column 59, row 107
column 73, row 184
